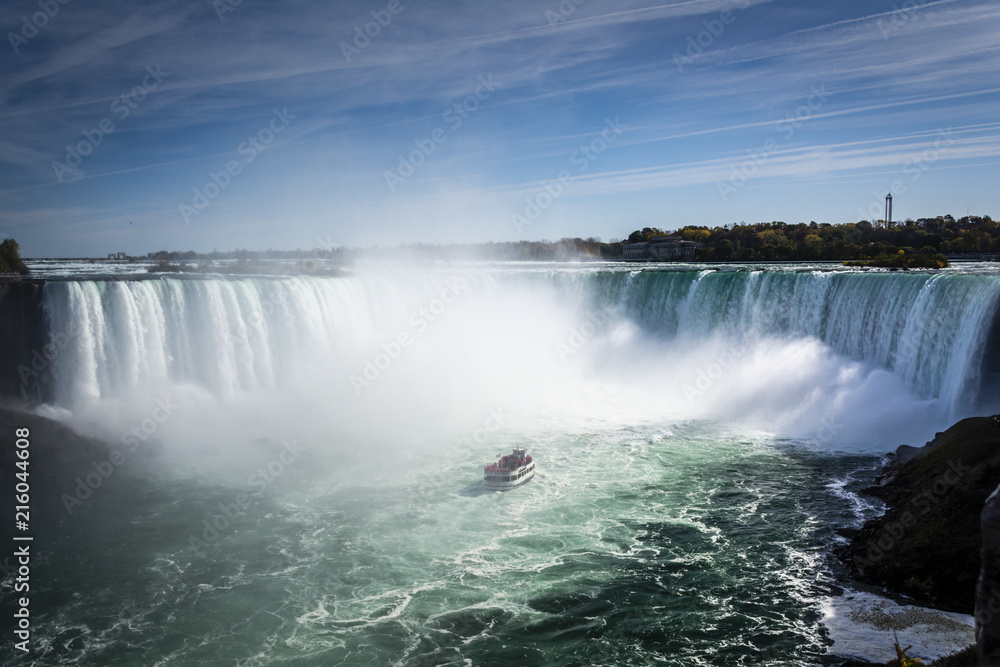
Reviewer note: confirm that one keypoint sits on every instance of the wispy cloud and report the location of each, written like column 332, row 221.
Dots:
column 561, row 76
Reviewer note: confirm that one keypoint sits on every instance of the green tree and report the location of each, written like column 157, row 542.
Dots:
column 697, row 235
column 10, row 258
column 813, row 246
column 725, row 250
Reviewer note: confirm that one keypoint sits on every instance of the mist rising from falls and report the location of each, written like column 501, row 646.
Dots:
column 929, row 329
column 417, row 357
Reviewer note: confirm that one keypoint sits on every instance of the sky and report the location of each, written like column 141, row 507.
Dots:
column 221, row 124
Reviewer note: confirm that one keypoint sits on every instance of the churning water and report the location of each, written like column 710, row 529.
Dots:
column 303, row 459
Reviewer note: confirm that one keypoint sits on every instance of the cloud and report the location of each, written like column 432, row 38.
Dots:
column 933, row 67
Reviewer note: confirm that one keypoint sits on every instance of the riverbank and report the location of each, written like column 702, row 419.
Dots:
column 926, row 546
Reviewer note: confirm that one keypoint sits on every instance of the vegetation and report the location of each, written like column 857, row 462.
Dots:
column 10, row 258
column 245, row 267
column 904, row 260
column 164, row 266
column 917, row 240
column 965, row 658
column 923, row 243
column 564, row 249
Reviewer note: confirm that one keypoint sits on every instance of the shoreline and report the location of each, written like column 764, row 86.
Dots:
column 924, row 548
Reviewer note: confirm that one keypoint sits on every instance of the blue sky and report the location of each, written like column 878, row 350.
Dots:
column 215, row 125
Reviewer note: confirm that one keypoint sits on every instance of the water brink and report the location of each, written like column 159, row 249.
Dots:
column 929, row 329
column 240, row 335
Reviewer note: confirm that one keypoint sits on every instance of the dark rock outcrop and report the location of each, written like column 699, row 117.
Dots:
column 57, row 457
column 988, row 588
column 22, row 334
column 927, row 544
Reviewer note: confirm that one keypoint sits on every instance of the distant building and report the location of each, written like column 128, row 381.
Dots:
column 117, row 255
column 661, row 249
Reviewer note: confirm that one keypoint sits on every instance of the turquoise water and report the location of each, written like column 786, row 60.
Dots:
column 676, row 544
column 700, row 437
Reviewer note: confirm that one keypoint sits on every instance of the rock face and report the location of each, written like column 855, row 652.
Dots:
column 23, row 340
column 58, row 457
column 927, row 544
column 988, row 589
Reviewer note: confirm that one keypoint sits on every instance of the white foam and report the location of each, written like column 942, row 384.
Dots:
column 861, row 626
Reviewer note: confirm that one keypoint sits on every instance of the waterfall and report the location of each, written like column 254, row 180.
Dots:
column 933, row 331
column 929, row 329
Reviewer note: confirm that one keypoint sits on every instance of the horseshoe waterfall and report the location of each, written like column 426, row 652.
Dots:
column 287, row 470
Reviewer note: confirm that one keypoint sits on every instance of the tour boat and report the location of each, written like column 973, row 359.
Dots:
column 510, row 472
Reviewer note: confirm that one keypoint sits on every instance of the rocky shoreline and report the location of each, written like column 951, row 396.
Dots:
column 926, row 546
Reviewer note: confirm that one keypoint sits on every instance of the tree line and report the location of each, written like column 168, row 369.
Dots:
column 922, row 242
column 780, row 241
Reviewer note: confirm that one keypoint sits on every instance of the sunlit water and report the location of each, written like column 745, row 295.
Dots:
column 691, row 546
column 696, row 453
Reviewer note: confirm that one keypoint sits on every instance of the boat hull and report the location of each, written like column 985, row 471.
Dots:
column 495, row 485
column 491, row 482
column 510, row 472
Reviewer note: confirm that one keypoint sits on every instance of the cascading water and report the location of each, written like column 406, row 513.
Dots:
column 699, row 436
column 928, row 329
column 239, row 335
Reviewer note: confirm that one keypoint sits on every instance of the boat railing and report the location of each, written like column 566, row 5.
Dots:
column 510, row 463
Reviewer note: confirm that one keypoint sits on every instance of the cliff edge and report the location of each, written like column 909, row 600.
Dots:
column 927, row 544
